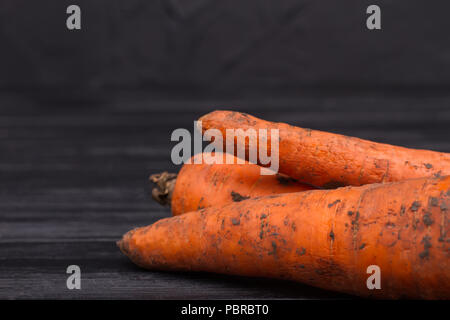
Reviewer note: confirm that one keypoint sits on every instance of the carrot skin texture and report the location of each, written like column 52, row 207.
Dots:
column 332, row 160
column 204, row 185
column 324, row 238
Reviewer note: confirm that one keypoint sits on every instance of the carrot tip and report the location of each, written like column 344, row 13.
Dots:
column 120, row 244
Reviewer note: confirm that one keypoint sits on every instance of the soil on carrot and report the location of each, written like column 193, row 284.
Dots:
column 238, row 197
column 415, row 206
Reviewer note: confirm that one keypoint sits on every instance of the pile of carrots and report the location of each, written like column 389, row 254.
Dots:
column 339, row 205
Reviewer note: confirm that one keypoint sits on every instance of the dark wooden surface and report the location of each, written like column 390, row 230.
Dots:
column 74, row 179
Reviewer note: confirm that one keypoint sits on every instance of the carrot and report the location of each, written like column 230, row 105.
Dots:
column 324, row 238
column 204, row 185
column 331, row 160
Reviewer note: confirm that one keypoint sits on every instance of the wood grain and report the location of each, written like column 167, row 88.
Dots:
column 74, row 179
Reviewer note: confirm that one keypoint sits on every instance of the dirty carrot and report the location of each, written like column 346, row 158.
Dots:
column 332, row 160
column 204, row 185
column 324, row 238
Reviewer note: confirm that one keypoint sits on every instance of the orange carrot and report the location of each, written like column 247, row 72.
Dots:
column 331, row 160
column 204, row 185
column 324, row 238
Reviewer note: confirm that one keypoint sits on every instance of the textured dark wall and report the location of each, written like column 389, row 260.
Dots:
column 216, row 45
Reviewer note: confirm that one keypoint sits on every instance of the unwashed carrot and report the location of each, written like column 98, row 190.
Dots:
column 324, row 238
column 204, row 185
column 331, row 160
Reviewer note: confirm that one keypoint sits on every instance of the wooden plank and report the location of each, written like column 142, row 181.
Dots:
column 74, row 179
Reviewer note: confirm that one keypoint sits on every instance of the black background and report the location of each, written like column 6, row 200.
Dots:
column 86, row 116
